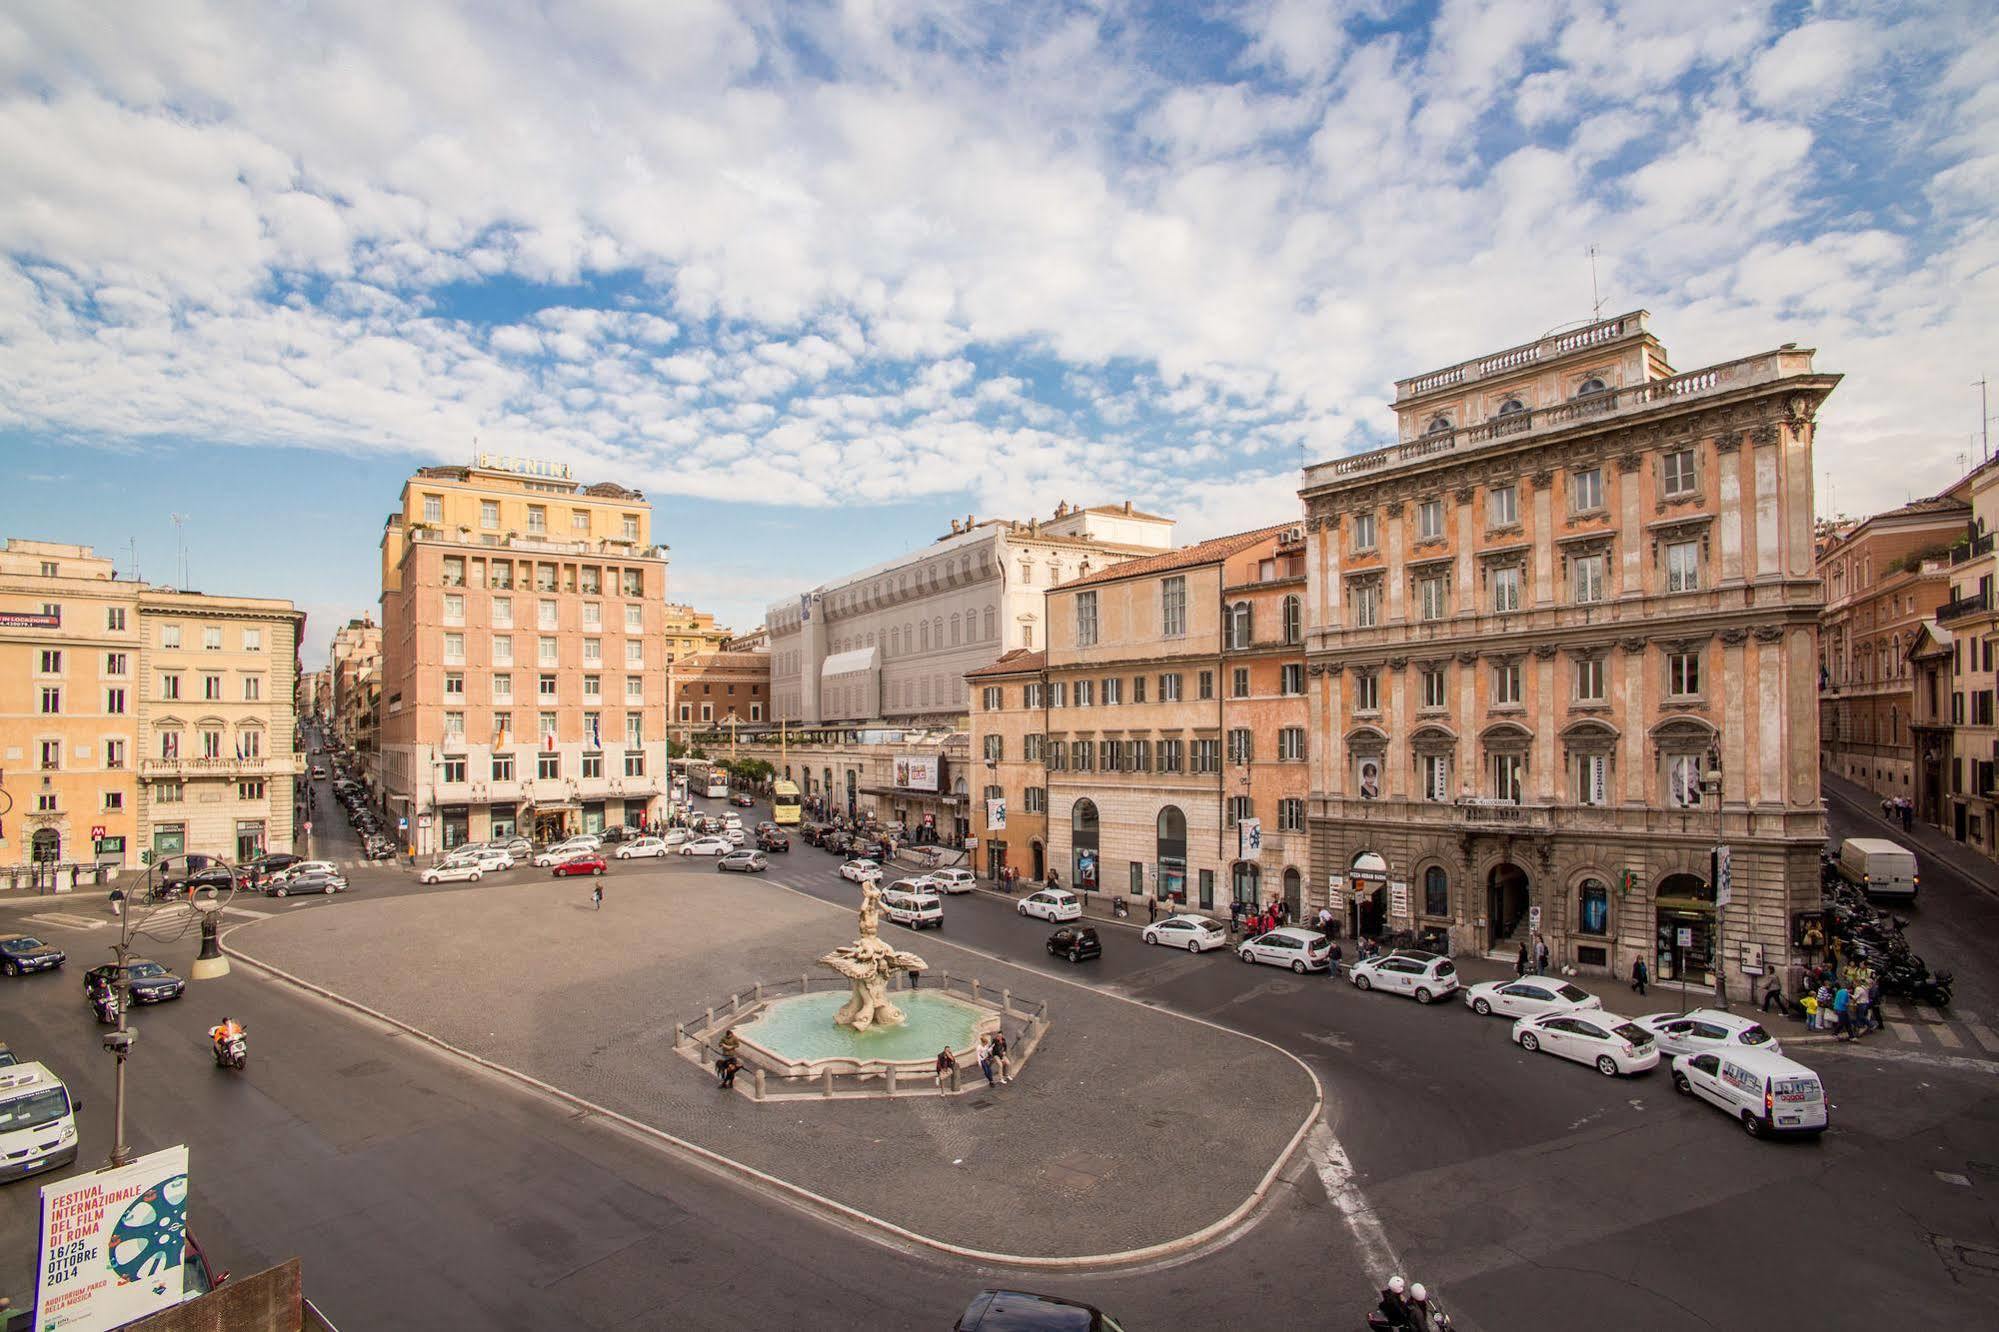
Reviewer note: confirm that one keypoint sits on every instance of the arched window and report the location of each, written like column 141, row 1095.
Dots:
column 1512, row 406
column 1294, row 620
column 1436, row 891
column 1439, row 425
column 1590, row 386
column 1241, row 623
column 1593, row 907
column 992, row 624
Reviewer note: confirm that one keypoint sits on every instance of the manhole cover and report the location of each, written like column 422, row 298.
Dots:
column 1967, row 1259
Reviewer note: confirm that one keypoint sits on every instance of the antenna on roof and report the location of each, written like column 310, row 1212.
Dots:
column 180, row 538
column 1595, row 300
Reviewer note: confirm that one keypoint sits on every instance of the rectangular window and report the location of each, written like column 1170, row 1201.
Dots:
column 1589, row 572
column 1363, row 531
column 1037, row 799
column 116, row 663
column 1170, row 759
column 545, row 727
column 628, row 525
column 1430, row 520
column 1086, row 755
column 211, row 744
column 115, row 800
column 454, row 726
column 995, row 747
column 1169, row 688
column 503, row 689
column 51, row 700
column 114, row 753
column 51, row 661
column 452, row 770
column 579, row 521
column 1207, row 756
column 489, row 515
column 1291, row 744
column 503, row 767
column 1086, row 619
column 635, row 730
column 503, row 612
column 991, row 698
column 454, row 573
column 593, row 765
column 503, row 575
column 1240, row 808
column 1366, row 692
column 503, row 651
column 1365, row 598
column 545, row 613
column 635, row 763
column 433, row 508
column 211, row 640
column 1205, row 685
column 1086, row 693
column 1683, row 674
column 593, row 580
column 547, row 767
column 593, row 614
column 1589, row 680
column 1505, row 590
column 169, row 635
column 593, row 651
column 167, row 793
column 169, row 744
column 1592, row 779
column 1432, row 601
column 1058, row 694
column 1683, row 781
column 1683, row 566
column 545, row 686
column 1241, row 747
column 1506, row 770
column 454, row 608
column 1138, row 689
column 454, row 648
column 253, row 689
column 253, row 640
column 1506, row 683
column 1291, row 815
column 1434, row 685
column 634, row 582
column 1679, row 470
column 635, row 653
column 211, row 687
column 1239, row 682
column 1033, row 747
column 114, row 621
column 454, row 684
column 1502, row 507
column 1586, row 490
column 1291, row 678
column 537, row 520
column 1173, row 607
column 170, row 686
column 51, row 755
column 634, row 620
column 545, row 652
column 1436, row 770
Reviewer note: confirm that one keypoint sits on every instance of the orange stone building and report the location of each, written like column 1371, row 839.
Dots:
column 715, row 690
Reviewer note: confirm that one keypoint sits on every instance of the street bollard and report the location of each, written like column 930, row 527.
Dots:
column 735, row 1003
column 891, row 1079
column 680, row 1036
column 760, row 991
column 1006, row 1003
column 804, row 983
column 711, row 1018
column 975, row 991
column 947, row 982
column 829, row 1083
column 954, row 1078
column 760, row 1084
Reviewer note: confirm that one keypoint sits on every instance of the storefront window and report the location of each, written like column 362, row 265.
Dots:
column 1593, row 902
column 1436, row 891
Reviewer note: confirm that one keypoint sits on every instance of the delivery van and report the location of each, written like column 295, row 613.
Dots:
column 37, row 1121
column 1767, row 1093
column 1879, row 867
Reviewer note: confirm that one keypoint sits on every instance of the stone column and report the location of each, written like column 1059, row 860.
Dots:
column 1547, row 706
column 1396, row 576
column 1728, row 492
column 1544, row 537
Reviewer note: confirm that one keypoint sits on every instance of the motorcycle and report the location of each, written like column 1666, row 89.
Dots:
column 105, row 1004
column 231, row 1051
column 1377, row 1321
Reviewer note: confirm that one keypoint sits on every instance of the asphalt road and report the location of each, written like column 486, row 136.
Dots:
column 1532, row 1193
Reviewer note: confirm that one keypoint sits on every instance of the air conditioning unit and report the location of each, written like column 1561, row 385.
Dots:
column 1294, row 534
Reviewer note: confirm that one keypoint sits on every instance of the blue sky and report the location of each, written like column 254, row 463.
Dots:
column 819, row 277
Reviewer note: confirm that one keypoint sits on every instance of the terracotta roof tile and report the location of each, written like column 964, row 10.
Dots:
column 1015, row 661
column 1186, row 557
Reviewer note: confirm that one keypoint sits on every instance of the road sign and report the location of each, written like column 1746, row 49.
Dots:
column 1534, row 919
column 1686, row 936
column 96, row 832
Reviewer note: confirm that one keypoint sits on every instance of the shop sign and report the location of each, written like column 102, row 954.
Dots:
column 1684, row 938
column 111, row 1244
column 1398, row 899
column 29, row 620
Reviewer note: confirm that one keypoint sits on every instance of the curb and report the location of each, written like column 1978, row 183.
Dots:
column 888, row 1230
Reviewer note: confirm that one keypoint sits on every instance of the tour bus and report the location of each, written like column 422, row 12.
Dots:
column 37, row 1121
column 718, row 784
column 784, row 803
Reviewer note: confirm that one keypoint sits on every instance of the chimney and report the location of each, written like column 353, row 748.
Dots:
column 1127, row 506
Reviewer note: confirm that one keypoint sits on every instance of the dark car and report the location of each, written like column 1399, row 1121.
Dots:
column 1020, row 1311
column 617, row 834
column 150, row 982
column 580, row 865
column 22, row 953
column 264, row 866
column 814, row 833
column 1075, row 942
column 773, row 841
column 743, row 800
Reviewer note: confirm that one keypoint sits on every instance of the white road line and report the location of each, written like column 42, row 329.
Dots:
column 1929, row 1015
column 1336, row 1173
column 1949, row 1037
column 1983, row 1035
column 1904, row 1033
column 70, row 922
column 1899, row 1012
column 245, row 911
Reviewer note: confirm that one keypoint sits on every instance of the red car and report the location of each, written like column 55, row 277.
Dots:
column 743, row 799
column 581, row 865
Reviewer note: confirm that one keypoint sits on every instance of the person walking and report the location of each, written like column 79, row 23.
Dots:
column 1638, row 975
column 1842, row 1012
column 1874, row 1003
column 1859, row 1020
column 1540, row 956
column 597, row 895
column 1520, row 963
column 986, row 1060
column 1235, row 919
column 1000, row 1051
column 1151, row 909
column 1823, row 1005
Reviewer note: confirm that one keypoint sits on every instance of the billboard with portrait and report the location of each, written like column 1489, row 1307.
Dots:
column 916, row 772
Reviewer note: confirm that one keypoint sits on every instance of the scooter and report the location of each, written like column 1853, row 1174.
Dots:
column 105, row 1004
column 231, row 1052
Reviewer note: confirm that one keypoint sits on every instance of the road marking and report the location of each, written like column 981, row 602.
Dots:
column 1929, row 1015
column 1336, row 1173
column 245, row 911
column 72, row 922
column 1950, row 1038
column 1900, row 1012
column 1983, row 1035
column 1903, row 1032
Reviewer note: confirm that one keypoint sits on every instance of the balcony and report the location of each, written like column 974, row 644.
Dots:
column 1969, row 604
column 264, row 765
column 1978, row 546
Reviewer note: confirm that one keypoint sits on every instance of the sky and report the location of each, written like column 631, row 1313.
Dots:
column 818, row 277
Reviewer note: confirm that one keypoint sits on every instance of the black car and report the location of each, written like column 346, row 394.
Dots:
column 742, row 800
column 22, row 953
column 1075, row 942
column 1021, row 1311
column 150, row 982
column 617, row 834
column 814, row 833
column 266, row 865
column 773, row 841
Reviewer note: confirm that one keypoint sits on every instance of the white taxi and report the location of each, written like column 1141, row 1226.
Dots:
column 1300, row 950
column 1056, row 904
column 466, row 871
column 1530, row 996
column 1708, row 1031
column 706, row 846
column 642, row 846
column 1615, row 1045
column 1196, row 934
column 1422, row 976
column 861, row 871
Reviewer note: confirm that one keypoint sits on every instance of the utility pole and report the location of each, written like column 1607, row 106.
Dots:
column 1984, row 425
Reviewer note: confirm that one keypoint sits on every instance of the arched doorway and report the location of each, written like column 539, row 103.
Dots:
column 1367, row 907
column 1246, row 883
column 1170, row 854
column 1506, row 893
column 1294, row 892
column 1083, row 845
column 1684, row 909
column 1040, row 854
column 46, row 846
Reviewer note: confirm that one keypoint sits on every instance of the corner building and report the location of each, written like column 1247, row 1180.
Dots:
column 523, row 678
column 1578, row 588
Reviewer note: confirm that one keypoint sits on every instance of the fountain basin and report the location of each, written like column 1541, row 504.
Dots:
column 796, row 1037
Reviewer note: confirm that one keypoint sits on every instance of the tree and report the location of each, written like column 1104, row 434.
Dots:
column 675, row 748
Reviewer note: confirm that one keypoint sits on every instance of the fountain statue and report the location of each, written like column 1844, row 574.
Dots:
column 869, row 963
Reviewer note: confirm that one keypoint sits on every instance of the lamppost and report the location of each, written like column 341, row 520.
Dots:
column 118, row 1041
column 1720, row 877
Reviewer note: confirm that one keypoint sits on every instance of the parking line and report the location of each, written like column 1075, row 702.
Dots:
column 1949, row 1038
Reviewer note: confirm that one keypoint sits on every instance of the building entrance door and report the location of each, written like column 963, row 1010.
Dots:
column 1040, row 862
column 1505, row 902
column 550, row 827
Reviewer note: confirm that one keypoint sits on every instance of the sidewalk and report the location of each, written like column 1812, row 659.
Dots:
column 1925, row 838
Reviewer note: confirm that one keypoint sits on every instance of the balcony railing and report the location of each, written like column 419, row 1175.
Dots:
column 1977, row 546
column 1969, row 604
column 263, row 765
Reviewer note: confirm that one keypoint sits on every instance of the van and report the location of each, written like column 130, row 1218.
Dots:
column 907, row 902
column 37, row 1121
column 1767, row 1093
column 1879, row 867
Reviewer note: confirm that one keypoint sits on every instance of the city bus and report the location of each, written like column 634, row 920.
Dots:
column 718, row 785
column 784, row 802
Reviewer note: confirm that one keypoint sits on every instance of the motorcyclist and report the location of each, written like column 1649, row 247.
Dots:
column 1423, row 1315
column 229, row 1029
column 1393, row 1307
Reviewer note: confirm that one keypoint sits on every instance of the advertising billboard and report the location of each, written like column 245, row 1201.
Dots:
column 916, row 773
column 112, row 1244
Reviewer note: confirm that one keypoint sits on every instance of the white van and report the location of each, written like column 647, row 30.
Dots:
column 1879, row 867
column 907, row 902
column 1766, row 1092
column 37, row 1121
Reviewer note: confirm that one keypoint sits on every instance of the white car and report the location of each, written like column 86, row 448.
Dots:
column 1530, row 996
column 706, row 846
column 735, row 835
column 860, row 871
column 1421, row 976
column 450, row 874
column 307, row 867
column 642, row 846
column 676, row 837
column 494, row 858
column 1196, row 934
column 1616, row 1045
column 1708, row 1031
column 556, row 855
column 957, row 879
column 1300, row 950
column 1056, row 904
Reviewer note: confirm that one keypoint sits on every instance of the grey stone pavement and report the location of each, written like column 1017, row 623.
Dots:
column 1131, row 1127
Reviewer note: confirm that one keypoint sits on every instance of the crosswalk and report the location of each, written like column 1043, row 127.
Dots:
column 63, row 920
column 1917, row 1027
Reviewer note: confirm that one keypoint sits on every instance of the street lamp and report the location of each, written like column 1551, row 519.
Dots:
column 118, row 1041
column 1720, row 877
